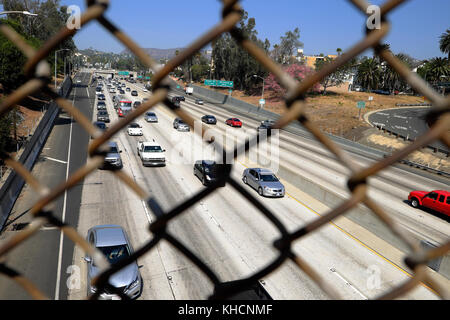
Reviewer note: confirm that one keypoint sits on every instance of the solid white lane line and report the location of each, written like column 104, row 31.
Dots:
column 61, row 236
column 56, row 160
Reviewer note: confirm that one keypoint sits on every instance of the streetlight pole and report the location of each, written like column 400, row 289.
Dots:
column 262, row 94
column 56, row 62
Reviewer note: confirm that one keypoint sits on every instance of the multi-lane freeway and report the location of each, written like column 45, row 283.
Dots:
column 224, row 230
column 408, row 122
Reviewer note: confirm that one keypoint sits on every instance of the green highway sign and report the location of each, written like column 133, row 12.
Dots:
column 147, row 78
column 361, row 105
column 139, row 77
column 219, row 83
column 123, row 73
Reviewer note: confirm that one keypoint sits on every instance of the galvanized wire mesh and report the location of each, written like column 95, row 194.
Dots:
column 38, row 72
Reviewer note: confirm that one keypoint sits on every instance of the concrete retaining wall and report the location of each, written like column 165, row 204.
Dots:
column 13, row 185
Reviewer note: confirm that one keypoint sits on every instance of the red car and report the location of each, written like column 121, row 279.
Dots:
column 438, row 200
column 234, row 122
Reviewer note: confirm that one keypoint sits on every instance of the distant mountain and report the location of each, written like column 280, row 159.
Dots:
column 157, row 54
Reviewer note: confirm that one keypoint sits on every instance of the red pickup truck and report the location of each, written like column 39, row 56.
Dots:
column 438, row 200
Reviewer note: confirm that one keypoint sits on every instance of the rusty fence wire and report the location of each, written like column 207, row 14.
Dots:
column 38, row 72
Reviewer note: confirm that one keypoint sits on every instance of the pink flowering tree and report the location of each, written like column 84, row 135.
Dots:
column 298, row 72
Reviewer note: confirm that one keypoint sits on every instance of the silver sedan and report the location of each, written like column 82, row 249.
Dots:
column 113, row 242
column 264, row 181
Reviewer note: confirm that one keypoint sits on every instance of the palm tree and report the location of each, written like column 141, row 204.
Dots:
column 444, row 43
column 339, row 51
column 369, row 73
column 439, row 67
column 392, row 78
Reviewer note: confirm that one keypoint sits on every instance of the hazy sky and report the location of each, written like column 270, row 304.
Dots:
column 324, row 25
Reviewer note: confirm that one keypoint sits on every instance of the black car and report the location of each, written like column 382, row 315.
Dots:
column 134, row 93
column 101, row 105
column 121, row 91
column 207, row 172
column 136, row 104
column 209, row 119
column 103, row 116
column 100, row 125
column 199, row 101
column 101, row 97
column 266, row 125
column 178, row 98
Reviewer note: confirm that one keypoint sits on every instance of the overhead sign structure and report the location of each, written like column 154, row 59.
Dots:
column 219, row 83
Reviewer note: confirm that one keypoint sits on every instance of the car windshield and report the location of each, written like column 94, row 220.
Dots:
column 134, row 125
column 115, row 254
column 113, row 150
column 102, row 113
column 101, row 125
column 152, row 149
column 268, row 178
column 151, row 114
column 101, row 103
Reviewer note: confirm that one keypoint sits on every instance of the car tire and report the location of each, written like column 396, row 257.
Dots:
column 245, row 180
column 414, row 203
column 260, row 191
column 204, row 181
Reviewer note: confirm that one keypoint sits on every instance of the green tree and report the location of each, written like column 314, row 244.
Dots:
column 231, row 62
column 435, row 70
column 444, row 43
column 392, row 79
column 337, row 77
column 288, row 44
column 368, row 74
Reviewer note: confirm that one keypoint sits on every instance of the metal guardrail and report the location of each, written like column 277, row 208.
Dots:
column 398, row 135
column 38, row 72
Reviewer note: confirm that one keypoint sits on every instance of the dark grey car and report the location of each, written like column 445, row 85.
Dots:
column 113, row 242
column 209, row 119
column 206, row 171
column 101, row 105
column 264, row 181
column 103, row 116
column 113, row 159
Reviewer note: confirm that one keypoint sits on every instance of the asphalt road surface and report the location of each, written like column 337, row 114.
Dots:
column 407, row 122
column 45, row 257
column 226, row 231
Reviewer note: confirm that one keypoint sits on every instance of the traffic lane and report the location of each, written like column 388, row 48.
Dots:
column 252, row 220
column 380, row 187
column 41, row 252
column 78, row 156
column 387, row 189
column 105, row 216
column 408, row 122
column 185, row 277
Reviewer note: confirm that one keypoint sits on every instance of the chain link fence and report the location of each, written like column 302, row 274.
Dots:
column 38, row 72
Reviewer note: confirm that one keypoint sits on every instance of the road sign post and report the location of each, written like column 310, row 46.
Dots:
column 262, row 102
column 360, row 105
